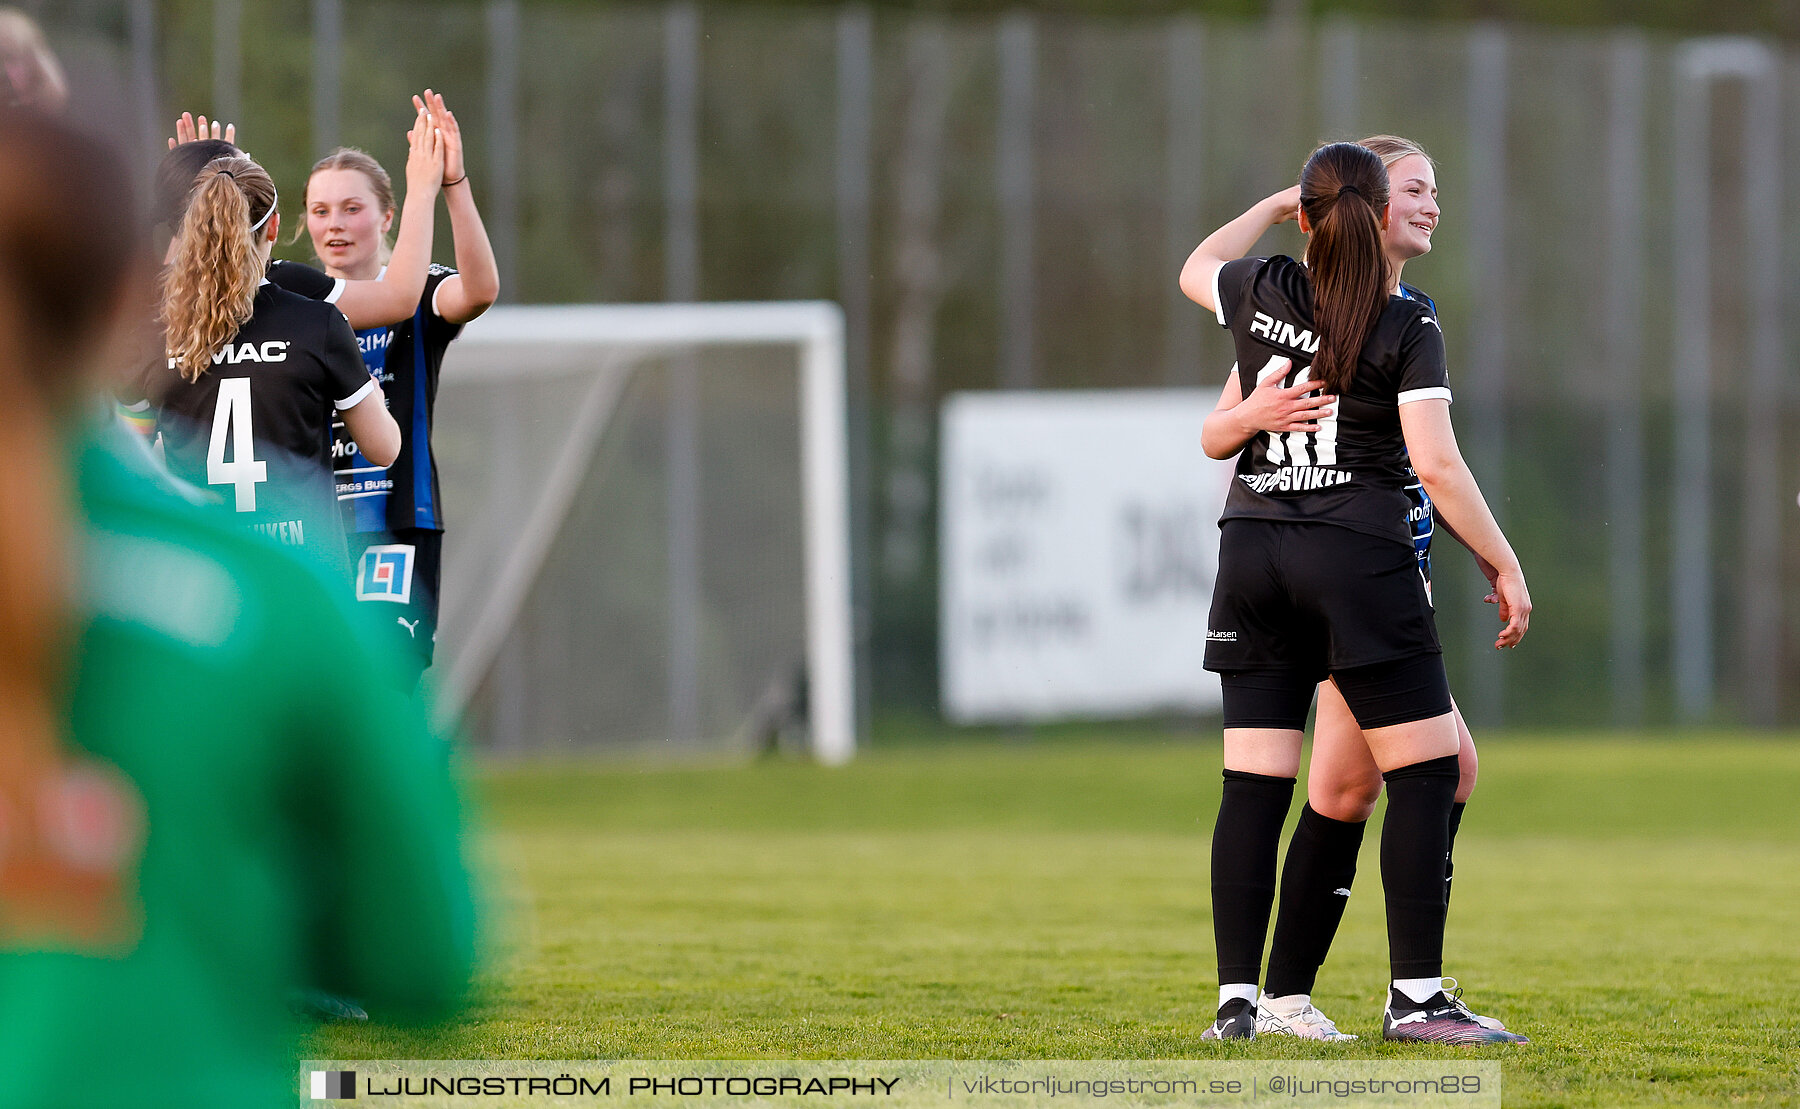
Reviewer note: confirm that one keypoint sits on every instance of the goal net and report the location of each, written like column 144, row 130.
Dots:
column 647, row 538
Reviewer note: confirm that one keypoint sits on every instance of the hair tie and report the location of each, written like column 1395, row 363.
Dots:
column 1350, row 189
column 228, row 173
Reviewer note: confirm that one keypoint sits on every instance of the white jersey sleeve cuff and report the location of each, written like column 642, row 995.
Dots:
column 1219, row 301
column 1410, row 395
column 338, row 285
column 357, row 397
column 437, row 292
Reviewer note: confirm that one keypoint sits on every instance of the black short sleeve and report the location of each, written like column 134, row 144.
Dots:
column 1229, row 285
column 1424, row 371
column 310, row 283
column 344, row 370
column 439, row 329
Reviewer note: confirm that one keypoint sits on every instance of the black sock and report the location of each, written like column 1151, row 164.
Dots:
column 1456, row 811
column 1315, row 887
column 1246, row 838
column 1415, row 837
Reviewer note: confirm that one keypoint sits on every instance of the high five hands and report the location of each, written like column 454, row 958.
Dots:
column 426, row 148
column 431, row 105
column 188, row 130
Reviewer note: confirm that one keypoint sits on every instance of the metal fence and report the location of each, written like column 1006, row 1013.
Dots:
column 1004, row 203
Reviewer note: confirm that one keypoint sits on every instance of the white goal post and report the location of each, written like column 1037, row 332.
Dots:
column 605, row 339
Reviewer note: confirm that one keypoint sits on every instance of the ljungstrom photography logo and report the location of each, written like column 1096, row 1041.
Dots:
column 333, row 1085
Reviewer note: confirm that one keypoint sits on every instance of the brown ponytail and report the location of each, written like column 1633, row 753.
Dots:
column 67, row 266
column 209, row 287
column 34, row 583
column 1344, row 194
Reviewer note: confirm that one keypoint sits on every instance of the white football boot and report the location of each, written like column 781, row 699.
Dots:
column 1295, row 1015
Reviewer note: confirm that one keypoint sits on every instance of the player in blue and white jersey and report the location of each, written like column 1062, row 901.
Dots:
column 394, row 513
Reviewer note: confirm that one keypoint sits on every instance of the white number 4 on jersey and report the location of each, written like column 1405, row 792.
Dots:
column 244, row 471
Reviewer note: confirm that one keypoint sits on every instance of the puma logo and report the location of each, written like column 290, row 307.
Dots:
column 412, row 627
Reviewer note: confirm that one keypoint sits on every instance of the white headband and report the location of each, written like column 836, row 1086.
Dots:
column 273, row 202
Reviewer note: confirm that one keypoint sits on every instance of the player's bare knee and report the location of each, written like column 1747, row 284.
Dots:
column 1353, row 802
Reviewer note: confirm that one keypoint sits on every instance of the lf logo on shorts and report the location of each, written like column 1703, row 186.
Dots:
column 385, row 574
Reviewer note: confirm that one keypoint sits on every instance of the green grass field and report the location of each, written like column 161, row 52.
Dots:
column 1632, row 906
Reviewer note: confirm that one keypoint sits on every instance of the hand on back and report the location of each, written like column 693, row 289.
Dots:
column 1278, row 408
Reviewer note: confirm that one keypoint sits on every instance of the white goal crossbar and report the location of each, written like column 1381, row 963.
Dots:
column 621, row 332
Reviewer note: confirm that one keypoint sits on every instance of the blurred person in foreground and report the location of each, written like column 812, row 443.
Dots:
column 34, row 78
column 208, row 794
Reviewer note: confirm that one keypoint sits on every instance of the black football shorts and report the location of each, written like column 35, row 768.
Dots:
column 1294, row 603
column 397, row 582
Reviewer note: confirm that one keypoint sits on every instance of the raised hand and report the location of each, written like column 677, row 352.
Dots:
column 455, row 170
column 425, row 154
column 187, row 130
column 1287, row 203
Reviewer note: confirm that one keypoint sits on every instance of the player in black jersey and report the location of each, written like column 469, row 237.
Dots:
column 254, row 373
column 1317, row 574
column 394, row 513
column 1343, row 783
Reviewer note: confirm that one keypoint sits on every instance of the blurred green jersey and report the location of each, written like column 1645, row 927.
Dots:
column 302, row 829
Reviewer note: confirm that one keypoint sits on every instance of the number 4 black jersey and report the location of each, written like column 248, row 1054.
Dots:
column 255, row 427
column 1352, row 472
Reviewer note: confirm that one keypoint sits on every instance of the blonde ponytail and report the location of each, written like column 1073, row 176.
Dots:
column 209, row 287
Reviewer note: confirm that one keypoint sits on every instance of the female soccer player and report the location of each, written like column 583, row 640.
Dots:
column 1317, row 574
column 394, row 512
column 1343, row 783
column 210, row 800
column 254, row 373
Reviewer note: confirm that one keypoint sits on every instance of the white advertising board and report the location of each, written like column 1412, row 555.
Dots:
column 1078, row 542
